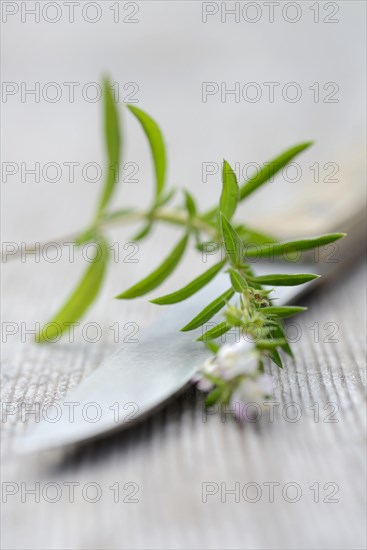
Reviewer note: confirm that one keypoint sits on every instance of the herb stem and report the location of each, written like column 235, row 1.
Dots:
column 173, row 217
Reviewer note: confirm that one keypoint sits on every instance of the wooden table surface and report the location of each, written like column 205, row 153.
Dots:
column 179, row 463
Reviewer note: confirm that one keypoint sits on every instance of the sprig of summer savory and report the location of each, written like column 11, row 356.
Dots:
column 232, row 373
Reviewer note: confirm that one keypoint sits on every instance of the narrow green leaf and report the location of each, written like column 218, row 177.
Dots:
column 190, row 204
column 270, row 344
column 276, row 249
column 279, row 333
column 209, row 311
column 270, row 169
column 232, row 241
column 213, row 397
column 213, row 347
column 143, row 232
column 217, row 380
column 157, row 147
column 158, row 275
column 232, row 319
column 275, row 356
column 284, row 280
column 214, row 332
column 265, row 174
column 282, row 311
column 88, row 235
column 164, row 199
column 82, row 297
column 191, row 288
column 112, row 136
column 238, row 282
column 230, row 192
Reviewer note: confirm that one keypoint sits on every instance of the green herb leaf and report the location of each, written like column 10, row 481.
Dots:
column 270, row 169
column 209, row 311
column 282, row 311
column 265, row 174
column 143, row 232
column 278, row 332
column 230, row 192
column 213, row 397
column 112, row 136
column 238, row 282
column 158, row 275
column 287, row 247
column 270, row 344
column 217, row 380
column 157, row 147
column 214, row 332
column 191, row 288
column 164, row 199
column 88, row 235
column 284, row 280
column 82, row 297
column 275, row 356
column 232, row 241
column 190, row 204
column 213, row 347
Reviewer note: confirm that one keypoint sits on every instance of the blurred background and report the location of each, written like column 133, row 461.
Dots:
column 236, row 80
column 296, row 81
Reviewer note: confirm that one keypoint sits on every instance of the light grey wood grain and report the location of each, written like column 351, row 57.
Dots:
column 172, row 454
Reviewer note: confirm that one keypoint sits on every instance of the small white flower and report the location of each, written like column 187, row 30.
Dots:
column 204, row 384
column 234, row 359
column 209, row 367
